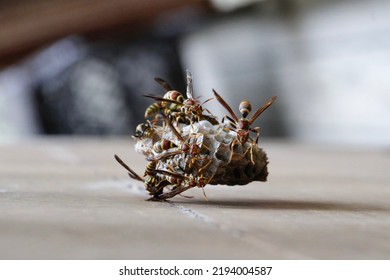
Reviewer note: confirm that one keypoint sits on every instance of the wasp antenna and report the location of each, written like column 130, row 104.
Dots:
column 185, row 196
column 204, row 194
column 204, row 102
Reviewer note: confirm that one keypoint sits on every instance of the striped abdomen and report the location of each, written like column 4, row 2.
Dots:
column 175, row 96
column 163, row 145
column 150, row 168
column 245, row 108
column 153, row 109
column 144, row 130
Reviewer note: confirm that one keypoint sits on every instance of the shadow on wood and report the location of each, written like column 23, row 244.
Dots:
column 287, row 205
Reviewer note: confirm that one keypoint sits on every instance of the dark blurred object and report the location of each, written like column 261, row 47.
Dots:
column 101, row 93
column 26, row 26
column 93, row 60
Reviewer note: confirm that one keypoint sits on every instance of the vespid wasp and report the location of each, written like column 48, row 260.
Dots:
column 170, row 103
column 146, row 130
column 176, row 107
column 154, row 185
column 181, row 182
column 242, row 126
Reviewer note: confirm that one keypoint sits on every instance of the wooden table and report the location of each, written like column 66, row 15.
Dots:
column 66, row 198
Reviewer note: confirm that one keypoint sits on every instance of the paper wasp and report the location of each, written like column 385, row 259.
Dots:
column 192, row 108
column 181, row 182
column 170, row 103
column 153, row 184
column 177, row 107
column 242, row 126
column 145, row 130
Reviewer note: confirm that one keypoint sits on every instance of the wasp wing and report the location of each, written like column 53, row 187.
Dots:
column 174, row 130
column 190, row 88
column 132, row 173
column 261, row 110
column 158, row 98
column 163, row 83
column 170, row 174
column 224, row 104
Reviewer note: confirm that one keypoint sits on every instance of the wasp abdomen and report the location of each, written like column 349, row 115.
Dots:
column 153, row 109
column 245, row 108
column 163, row 145
column 150, row 168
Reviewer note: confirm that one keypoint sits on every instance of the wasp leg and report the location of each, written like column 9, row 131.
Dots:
column 157, row 193
column 250, row 149
column 185, row 196
column 257, row 131
column 230, row 122
column 252, row 157
column 257, row 139
column 204, row 194
column 174, row 192
column 204, row 166
column 155, row 120
column 234, row 142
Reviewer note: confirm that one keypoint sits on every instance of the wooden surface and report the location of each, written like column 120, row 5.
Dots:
column 68, row 198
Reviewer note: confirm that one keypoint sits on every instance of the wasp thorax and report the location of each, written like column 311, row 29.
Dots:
column 243, row 124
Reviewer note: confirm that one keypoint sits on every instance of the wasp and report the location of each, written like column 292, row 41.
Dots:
column 153, row 184
column 175, row 106
column 147, row 133
column 192, row 108
column 182, row 183
column 145, row 130
column 170, row 103
column 242, row 126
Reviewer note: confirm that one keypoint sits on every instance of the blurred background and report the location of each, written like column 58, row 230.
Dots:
column 81, row 66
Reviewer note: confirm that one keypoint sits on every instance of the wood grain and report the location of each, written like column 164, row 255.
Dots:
column 67, row 198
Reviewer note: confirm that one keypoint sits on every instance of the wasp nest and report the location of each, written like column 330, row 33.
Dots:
column 186, row 146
